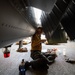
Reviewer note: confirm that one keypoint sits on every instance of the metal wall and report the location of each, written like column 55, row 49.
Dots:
column 68, row 20
column 51, row 22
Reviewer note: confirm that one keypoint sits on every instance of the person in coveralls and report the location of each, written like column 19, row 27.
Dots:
column 40, row 60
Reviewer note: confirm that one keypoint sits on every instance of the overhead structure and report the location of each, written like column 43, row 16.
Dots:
column 60, row 21
column 19, row 19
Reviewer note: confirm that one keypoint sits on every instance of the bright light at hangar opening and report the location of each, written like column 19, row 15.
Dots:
column 37, row 14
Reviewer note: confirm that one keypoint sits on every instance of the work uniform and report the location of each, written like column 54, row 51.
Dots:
column 36, row 47
column 22, row 68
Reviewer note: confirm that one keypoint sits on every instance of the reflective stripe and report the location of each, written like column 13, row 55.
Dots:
column 22, row 69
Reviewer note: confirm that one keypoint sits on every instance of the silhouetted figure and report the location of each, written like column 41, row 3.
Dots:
column 22, row 68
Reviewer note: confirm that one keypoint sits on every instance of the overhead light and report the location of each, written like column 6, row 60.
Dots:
column 37, row 15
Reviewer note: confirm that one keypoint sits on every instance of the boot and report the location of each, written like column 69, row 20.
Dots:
column 27, row 65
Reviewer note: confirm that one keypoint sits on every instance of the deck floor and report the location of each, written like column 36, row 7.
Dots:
column 9, row 66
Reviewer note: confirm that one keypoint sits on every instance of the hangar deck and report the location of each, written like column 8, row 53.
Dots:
column 9, row 66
